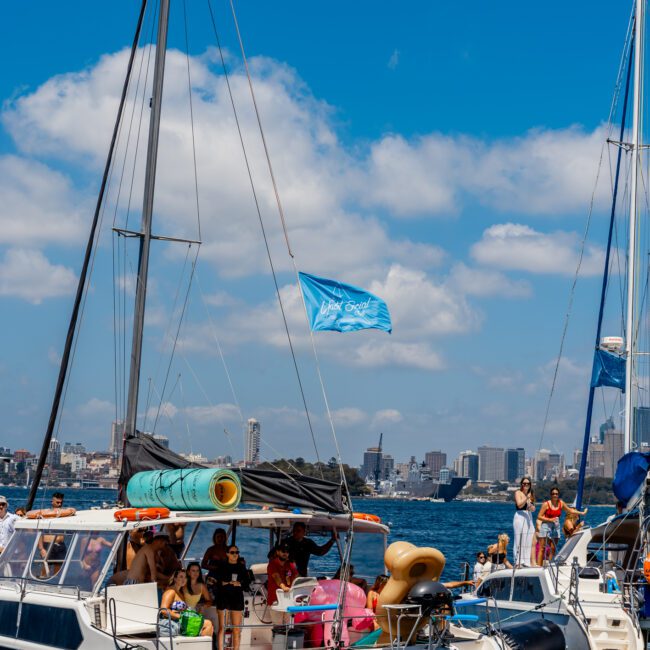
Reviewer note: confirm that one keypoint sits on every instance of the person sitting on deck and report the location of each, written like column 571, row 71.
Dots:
column 173, row 604
column 301, row 547
column 281, row 574
column 571, row 525
column 144, row 565
column 360, row 582
column 482, row 568
column 498, row 553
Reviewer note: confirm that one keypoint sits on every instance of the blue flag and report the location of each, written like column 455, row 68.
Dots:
column 608, row 370
column 332, row 305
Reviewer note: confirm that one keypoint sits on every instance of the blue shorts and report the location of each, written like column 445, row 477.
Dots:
column 549, row 530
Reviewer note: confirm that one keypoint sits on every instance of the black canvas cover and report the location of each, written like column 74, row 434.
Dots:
column 268, row 487
column 142, row 453
column 259, row 486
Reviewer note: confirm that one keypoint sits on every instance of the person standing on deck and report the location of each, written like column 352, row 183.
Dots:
column 7, row 523
column 301, row 547
column 523, row 523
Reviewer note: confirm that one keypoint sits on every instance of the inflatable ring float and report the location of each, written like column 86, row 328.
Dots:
column 50, row 513
column 367, row 517
column 141, row 514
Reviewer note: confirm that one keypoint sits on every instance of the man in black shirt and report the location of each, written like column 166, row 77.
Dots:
column 302, row 547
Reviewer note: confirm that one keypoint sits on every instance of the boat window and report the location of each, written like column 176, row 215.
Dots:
column 51, row 549
column 528, row 589
column 498, row 588
column 567, row 549
column 15, row 558
column 53, row 627
column 87, row 559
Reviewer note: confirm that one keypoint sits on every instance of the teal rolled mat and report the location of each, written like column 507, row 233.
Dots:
column 185, row 489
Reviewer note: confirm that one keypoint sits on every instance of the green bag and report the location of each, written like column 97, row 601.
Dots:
column 191, row 623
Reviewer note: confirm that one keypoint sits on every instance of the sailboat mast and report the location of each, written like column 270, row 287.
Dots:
column 639, row 26
column 147, row 213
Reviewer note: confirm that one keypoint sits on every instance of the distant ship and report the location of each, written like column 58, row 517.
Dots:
column 429, row 488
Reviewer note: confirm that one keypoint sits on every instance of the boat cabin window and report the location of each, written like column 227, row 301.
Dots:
column 528, row 589
column 58, row 557
column 16, row 556
column 498, row 588
column 51, row 551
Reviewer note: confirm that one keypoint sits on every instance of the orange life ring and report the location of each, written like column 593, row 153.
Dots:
column 367, row 517
column 141, row 514
column 50, row 513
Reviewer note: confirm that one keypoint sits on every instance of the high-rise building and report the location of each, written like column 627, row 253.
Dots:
column 596, row 460
column 73, row 448
column 253, row 439
column 444, row 475
column 223, row 461
column 117, row 433
column 435, row 461
column 515, row 464
column 54, row 453
column 371, row 457
column 613, row 444
column 641, row 425
column 388, row 465
column 491, row 463
column 467, row 465
column 548, row 465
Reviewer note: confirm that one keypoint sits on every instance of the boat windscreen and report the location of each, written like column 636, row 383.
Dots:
column 63, row 558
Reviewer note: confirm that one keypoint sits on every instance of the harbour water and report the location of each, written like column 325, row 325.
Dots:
column 459, row 529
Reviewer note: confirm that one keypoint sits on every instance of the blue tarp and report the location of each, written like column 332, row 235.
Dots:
column 608, row 370
column 630, row 474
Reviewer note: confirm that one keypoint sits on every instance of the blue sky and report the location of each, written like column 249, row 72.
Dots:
column 440, row 154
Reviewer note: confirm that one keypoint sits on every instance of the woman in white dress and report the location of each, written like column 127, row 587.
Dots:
column 523, row 523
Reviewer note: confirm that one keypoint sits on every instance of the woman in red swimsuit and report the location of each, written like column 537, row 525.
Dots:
column 549, row 529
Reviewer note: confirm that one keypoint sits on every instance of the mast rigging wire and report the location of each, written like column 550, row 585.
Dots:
column 266, row 243
column 567, row 317
column 82, row 287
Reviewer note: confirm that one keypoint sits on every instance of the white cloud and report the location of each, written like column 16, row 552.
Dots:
column 393, row 62
column 376, row 354
column 38, row 205
column 96, row 408
column 391, row 416
column 217, row 414
column 485, row 282
column 543, row 172
column 348, row 417
column 421, row 306
column 515, row 246
column 29, row 275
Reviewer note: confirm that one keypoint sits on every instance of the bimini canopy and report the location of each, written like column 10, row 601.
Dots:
column 259, row 486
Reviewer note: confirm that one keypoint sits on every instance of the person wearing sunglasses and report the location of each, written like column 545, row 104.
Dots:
column 232, row 577
column 481, row 568
column 523, row 523
column 7, row 523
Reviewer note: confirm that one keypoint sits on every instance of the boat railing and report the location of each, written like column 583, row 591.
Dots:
column 574, row 600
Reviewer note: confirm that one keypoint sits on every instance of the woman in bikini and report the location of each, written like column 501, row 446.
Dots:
column 549, row 525
column 373, row 595
column 173, row 604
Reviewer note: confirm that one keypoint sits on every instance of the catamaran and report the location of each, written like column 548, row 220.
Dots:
column 594, row 589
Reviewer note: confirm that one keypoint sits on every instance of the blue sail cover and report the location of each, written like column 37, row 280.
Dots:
column 332, row 305
column 630, row 474
column 608, row 370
